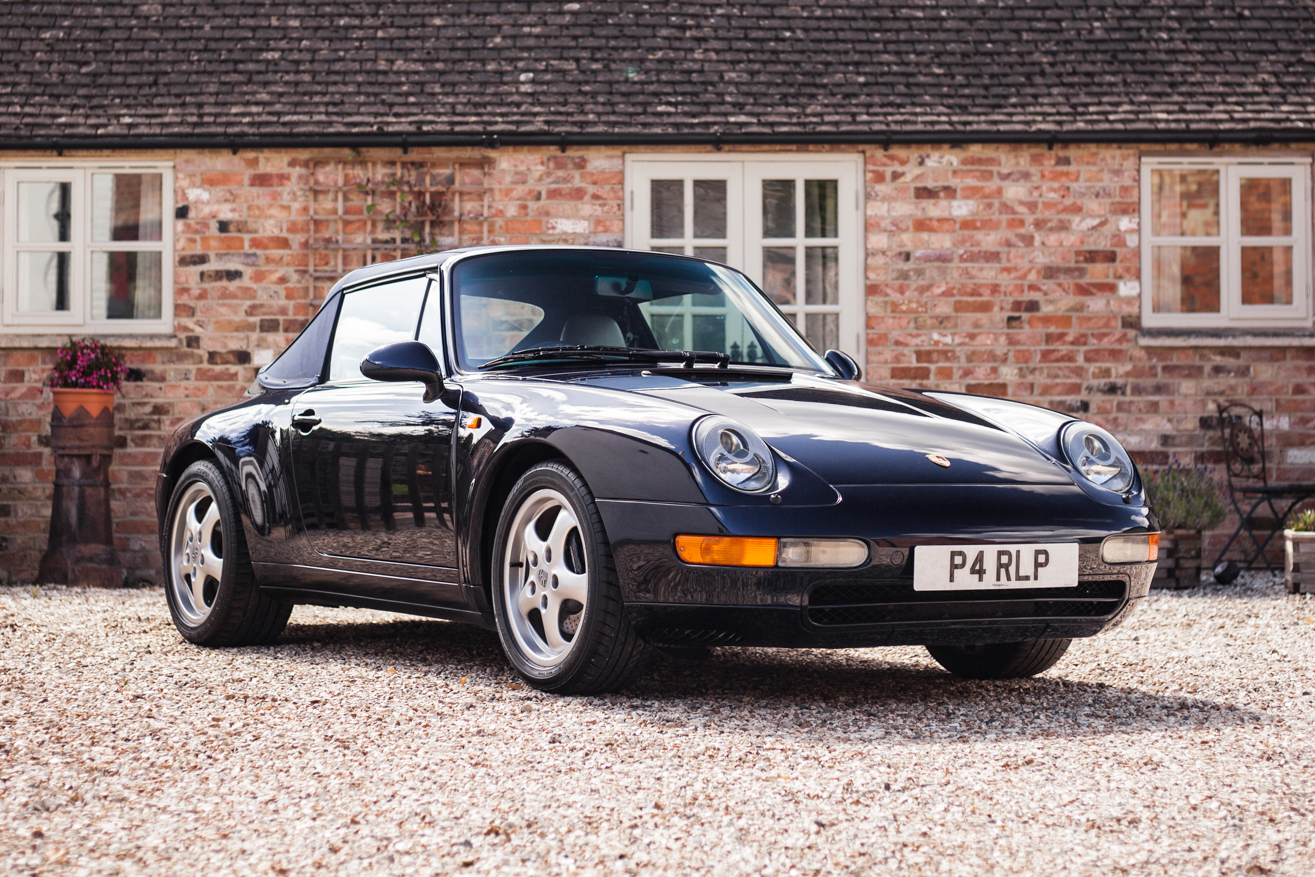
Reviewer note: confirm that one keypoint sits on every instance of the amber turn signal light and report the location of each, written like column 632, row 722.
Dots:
column 1141, row 548
column 727, row 550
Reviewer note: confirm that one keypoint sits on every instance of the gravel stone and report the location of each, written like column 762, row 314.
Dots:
column 1181, row 743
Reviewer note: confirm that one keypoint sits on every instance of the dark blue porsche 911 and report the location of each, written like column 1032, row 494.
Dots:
column 603, row 453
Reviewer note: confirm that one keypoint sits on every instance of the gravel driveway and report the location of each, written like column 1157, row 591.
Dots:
column 1182, row 743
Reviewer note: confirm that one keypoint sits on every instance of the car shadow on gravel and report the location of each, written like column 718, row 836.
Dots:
column 804, row 693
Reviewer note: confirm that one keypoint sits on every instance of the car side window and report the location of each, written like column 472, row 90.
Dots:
column 372, row 317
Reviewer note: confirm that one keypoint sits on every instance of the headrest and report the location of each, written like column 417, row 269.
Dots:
column 593, row 329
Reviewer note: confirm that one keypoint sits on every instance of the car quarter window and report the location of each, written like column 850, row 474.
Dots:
column 372, row 317
column 303, row 362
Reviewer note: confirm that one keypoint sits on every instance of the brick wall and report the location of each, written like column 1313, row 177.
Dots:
column 997, row 270
column 1014, row 271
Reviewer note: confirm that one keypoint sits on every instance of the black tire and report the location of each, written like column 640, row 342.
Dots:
column 1001, row 660
column 604, row 652
column 236, row 612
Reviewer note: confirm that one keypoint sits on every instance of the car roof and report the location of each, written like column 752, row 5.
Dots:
column 435, row 261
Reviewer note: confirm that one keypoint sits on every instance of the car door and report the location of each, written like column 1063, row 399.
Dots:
column 372, row 460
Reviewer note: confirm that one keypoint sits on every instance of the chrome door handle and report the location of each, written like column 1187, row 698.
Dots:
column 306, row 420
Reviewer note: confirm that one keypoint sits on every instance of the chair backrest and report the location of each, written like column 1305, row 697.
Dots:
column 1243, row 429
column 595, row 329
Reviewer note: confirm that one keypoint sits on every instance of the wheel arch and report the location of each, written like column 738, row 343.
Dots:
column 187, row 454
column 509, row 469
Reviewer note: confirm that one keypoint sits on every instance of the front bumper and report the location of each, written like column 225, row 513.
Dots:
column 676, row 604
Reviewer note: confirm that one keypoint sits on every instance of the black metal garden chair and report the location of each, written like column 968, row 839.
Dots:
column 1249, row 490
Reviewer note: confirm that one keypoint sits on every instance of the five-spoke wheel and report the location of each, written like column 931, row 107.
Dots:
column 198, row 553
column 212, row 592
column 556, row 599
column 546, row 577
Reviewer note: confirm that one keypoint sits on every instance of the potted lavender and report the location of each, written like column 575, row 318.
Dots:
column 1187, row 501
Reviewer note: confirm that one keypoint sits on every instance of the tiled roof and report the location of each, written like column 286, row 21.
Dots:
column 242, row 67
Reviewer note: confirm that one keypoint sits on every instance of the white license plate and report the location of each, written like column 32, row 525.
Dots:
column 995, row 567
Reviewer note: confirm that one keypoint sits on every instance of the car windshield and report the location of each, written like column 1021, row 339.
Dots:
column 511, row 302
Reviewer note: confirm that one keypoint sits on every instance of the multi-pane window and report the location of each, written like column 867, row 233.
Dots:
column 1225, row 244
column 794, row 226
column 87, row 248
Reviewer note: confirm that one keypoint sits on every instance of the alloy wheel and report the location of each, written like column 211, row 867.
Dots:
column 197, row 553
column 545, row 579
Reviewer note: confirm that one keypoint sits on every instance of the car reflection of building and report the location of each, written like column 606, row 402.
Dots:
column 348, row 482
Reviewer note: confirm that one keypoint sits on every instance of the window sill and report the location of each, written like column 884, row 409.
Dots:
column 136, row 342
column 1223, row 338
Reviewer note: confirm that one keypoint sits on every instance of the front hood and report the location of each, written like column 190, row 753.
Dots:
column 857, row 434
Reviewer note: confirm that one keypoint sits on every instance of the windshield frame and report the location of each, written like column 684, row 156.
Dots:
column 730, row 277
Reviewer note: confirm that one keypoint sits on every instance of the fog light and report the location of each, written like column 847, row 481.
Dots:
column 821, row 552
column 727, row 550
column 1142, row 548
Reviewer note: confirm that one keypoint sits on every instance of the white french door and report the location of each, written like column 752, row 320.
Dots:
column 793, row 225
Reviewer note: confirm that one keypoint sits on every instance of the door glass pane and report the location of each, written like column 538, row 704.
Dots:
column 1185, row 203
column 667, row 218
column 1186, row 280
column 679, row 251
column 1266, row 207
column 669, row 330
column 822, row 275
column 1267, row 275
column 43, row 212
column 716, row 254
column 710, row 332
column 821, row 208
column 125, row 207
column 42, row 282
column 823, row 331
column 711, row 322
column 371, row 318
column 709, row 208
column 125, row 286
column 778, row 274
column 778, row 208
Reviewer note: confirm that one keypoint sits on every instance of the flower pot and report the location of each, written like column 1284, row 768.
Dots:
column 1179, row 565
column 1299, row 561
column 81, row 546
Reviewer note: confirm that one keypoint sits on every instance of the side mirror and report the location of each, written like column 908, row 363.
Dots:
column 840, row 361
column 405, row 361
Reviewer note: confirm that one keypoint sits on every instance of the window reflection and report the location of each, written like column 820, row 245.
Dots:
column 667, row 209
column 1185, row 203
column 1186, row 280
column 126, row 286
column 126, row 207
column 371, row 318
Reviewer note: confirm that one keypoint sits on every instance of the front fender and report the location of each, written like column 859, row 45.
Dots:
column 245, row 441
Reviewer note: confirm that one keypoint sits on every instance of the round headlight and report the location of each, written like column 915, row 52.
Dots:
column 1098, row 456
column 735, row 454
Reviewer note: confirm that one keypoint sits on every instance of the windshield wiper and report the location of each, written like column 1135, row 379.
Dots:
column 599, row 353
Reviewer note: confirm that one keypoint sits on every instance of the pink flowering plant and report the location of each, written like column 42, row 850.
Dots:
column 87, row 364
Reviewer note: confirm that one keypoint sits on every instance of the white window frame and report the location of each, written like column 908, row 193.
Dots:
column 744, row 173
column 1233, row 314
column 77, row 318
